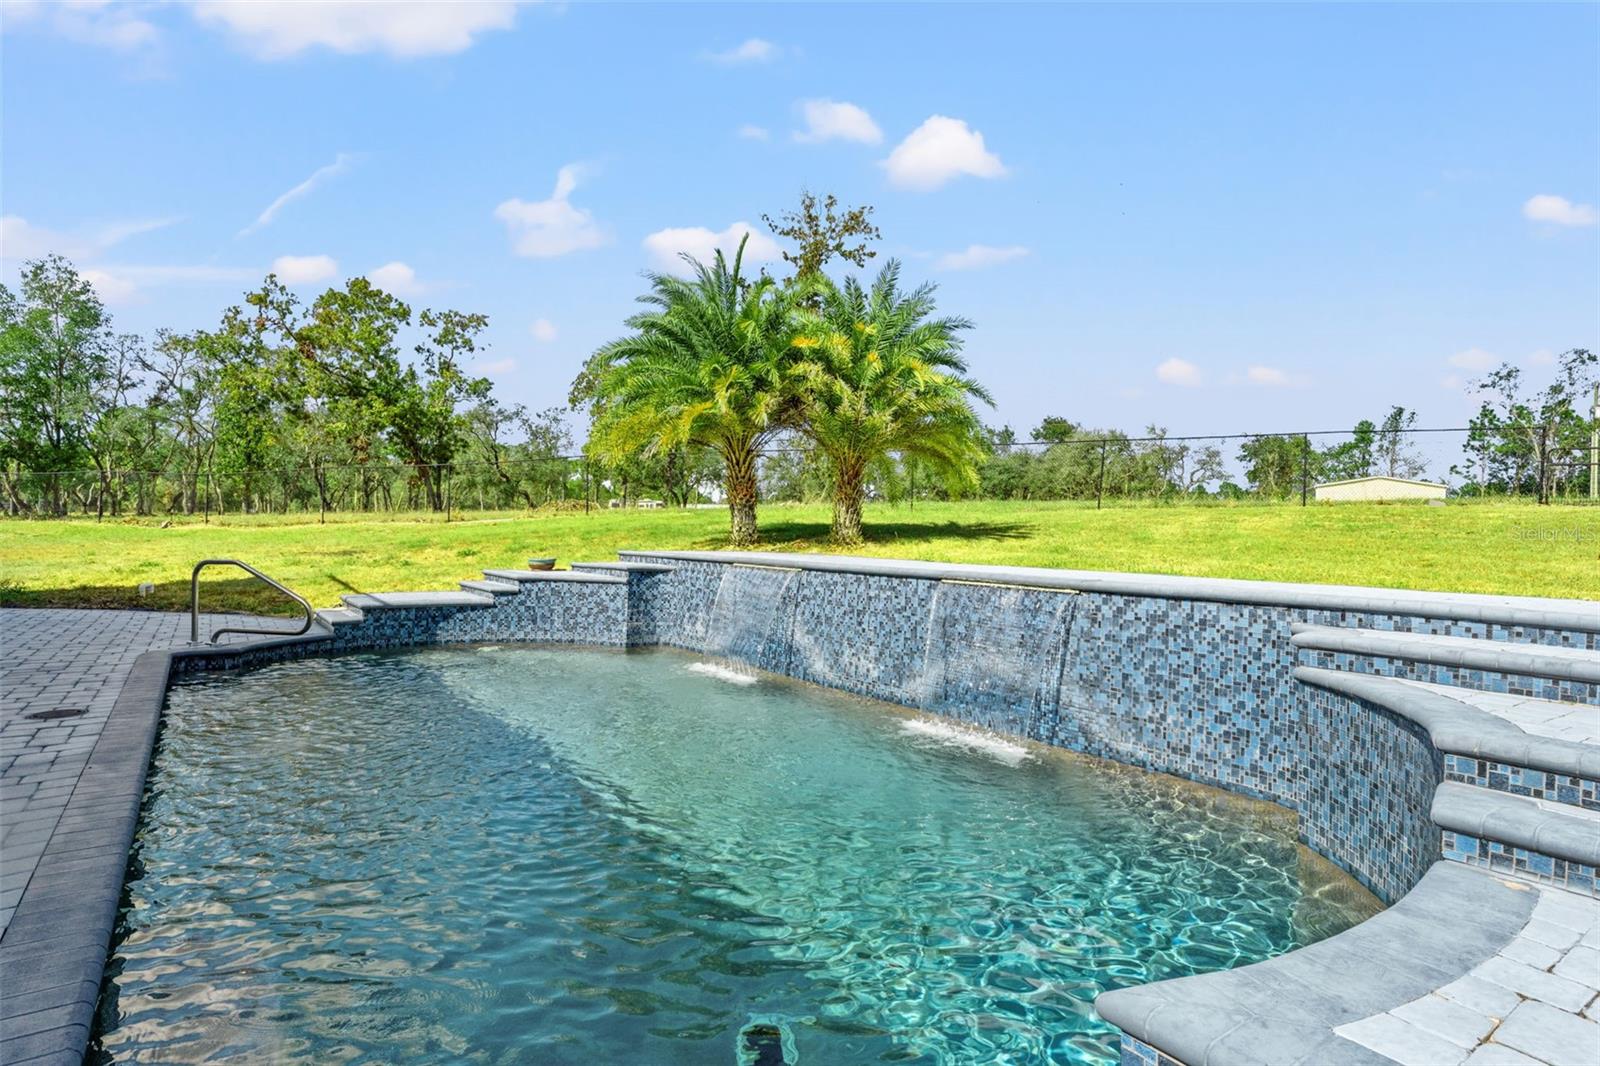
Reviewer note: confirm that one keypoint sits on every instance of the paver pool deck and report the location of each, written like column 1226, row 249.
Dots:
column 1528, row 992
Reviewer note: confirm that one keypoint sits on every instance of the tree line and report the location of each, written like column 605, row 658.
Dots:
column 728, row 385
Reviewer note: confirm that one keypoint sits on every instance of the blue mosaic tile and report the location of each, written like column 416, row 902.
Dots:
column 1519, row 862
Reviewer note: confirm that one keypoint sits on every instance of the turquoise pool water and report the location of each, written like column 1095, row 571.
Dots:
column 561, row 856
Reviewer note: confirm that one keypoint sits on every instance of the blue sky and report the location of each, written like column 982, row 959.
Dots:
column 1211, row 218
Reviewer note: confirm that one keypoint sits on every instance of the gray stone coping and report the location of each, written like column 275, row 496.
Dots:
column 379, row 601
column 1527, row 611
column 492, row 587
column 1532, row 660
column 552, row 575
column 1283, row 1011
column 1460, row 728
column 1516, row 820
column 627, row 567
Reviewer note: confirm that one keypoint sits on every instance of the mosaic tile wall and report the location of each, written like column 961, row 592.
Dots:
column 1528, row 865
column 1203, row 690
column 1540, row 784
column 1543, row 688
column 544, row 612
column 1559, row 638
column 1138, row 1053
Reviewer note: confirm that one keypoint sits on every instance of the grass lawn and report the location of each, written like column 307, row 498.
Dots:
column 1507, row 548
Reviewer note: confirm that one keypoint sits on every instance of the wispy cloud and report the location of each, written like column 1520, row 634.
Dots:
column 340, row 164
column 754, row 133
column 751, row 51
column 1177, row 371
column 21, row 239
column 402, row 29
column 543, row 330
column 1475, row 359
column 835, row 120
column 978, row 256
column 304, row 269
column 1559, row 211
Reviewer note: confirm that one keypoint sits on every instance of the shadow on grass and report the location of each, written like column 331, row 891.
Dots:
column 814, row 535
column 243, row 595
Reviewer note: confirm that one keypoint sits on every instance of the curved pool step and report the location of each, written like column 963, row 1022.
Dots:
column 1467, row 653
column 1291, row 1009
column 1456, row 726
column 1538, row 840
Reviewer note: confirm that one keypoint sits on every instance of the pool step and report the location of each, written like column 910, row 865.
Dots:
column 623, row 568
column 492, row 587
column 339, row 616
column 380, row 601
column 551, row 575
column 1519, row 836
column 1550, row 672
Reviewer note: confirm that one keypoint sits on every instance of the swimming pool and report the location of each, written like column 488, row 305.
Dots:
column 560, row 855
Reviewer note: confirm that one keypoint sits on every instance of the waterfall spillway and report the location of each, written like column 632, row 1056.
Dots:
column 995, row 654
column 748, row 613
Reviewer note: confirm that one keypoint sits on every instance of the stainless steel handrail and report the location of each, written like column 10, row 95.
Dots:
column 194, row 604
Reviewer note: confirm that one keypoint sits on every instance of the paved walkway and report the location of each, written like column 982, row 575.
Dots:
column 60, row 661
column 1537, row 1001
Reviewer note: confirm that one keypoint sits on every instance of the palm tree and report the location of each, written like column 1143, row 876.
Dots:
column 879, row 375
column 709, row 364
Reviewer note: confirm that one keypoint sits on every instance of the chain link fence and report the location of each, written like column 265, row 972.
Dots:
column 1100, row 470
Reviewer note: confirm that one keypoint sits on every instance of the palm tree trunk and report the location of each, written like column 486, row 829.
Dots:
column 741, row 484
column 849, row 492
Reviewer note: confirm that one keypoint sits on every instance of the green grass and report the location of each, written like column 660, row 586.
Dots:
column 1506, row 548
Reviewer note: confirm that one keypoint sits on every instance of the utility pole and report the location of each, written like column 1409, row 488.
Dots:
column 1594, row 446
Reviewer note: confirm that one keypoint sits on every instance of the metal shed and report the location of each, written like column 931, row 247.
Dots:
column 1379, row 487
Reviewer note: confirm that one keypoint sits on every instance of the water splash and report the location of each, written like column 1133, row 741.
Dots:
column 724, row 672
column 1007, row 751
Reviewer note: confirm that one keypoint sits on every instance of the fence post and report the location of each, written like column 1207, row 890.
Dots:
column 1100, row 493
column 1305, row 467
column 1544, row 463
column 588, row 484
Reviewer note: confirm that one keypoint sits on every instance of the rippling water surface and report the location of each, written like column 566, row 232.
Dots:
column 551, row 856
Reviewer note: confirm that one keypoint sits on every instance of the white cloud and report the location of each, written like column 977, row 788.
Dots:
column 1273, row 377
column 277, row 29
column 543, row 330
column 106, row 25
column 495, row 367
column 830, row 120
column 120, row 284
column 21, row 239
column 1451, row 382
column 1473, row 359
column 1542, row 357
column 978, row 256
column 754, row 133
column 1177, row 371
column 1559, row 211
column 543, row 229
column 667, row 246
column 304, row 269
column 340, row 164
column 397, row 279
column 754, row 50
column 938, row 150
column 112, row 289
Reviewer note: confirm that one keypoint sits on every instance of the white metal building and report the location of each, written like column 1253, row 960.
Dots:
column 1379, row 487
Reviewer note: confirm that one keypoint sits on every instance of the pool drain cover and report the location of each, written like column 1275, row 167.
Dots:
column 761, row 1044
column 59, row 712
